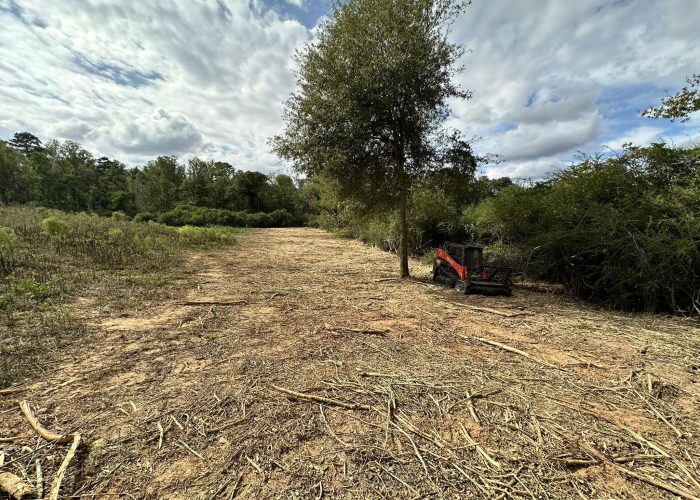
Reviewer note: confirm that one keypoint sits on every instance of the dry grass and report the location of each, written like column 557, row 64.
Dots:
column 388, row 388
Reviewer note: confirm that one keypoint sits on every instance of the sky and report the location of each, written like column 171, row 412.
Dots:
column 136, row 79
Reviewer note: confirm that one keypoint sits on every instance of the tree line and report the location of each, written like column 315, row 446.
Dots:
column 66, row 176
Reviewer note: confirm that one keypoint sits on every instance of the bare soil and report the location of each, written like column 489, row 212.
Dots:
column 425, row 392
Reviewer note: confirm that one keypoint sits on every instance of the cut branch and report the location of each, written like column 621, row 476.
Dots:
column 14, row 486
column 46, row 434
column 512, row 350
column 320, row 399
column 56, row 485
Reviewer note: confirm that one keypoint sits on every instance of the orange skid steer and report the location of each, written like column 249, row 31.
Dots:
column 461, row 266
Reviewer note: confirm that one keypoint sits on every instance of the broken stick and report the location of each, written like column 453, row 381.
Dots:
column 211, row 303
column 56, row 485
column 14, row 486
column 637, row 475
column 512, row 350
column 320, row 399
column 46, row 434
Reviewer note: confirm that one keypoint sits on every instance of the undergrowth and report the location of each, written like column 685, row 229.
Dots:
column 50, row 258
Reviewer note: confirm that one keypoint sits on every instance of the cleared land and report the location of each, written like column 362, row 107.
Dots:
column 297, row 365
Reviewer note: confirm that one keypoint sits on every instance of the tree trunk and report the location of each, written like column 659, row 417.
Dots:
column 403, row 216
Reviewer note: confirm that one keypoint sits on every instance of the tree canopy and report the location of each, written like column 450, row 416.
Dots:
column 372, row 99
column 66, row 176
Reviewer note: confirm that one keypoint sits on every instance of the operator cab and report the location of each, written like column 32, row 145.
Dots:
column 470, row 256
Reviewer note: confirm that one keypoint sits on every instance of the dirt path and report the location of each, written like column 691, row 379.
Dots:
column 605, row 403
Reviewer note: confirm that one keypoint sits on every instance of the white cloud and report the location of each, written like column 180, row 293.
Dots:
column 159, row 133
column 530, row 141
column 133, row 79
column 638, row 136
column 543, row 73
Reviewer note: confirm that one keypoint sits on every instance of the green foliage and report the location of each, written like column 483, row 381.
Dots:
column 65, row 176
column 55, row 227
column 32, row 289
column 190, row 215
column 623, row 230
column 8, row 239
column 680, row 105
column 207, row 236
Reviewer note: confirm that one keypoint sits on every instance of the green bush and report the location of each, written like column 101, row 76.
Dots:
column 145, row 217
column 33, row 289
column 622, row 230
column 190, row 215
column 8, row 239
column 207, row 236
column 55, row 227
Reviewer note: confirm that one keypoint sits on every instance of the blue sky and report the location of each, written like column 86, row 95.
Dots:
column 134, row 79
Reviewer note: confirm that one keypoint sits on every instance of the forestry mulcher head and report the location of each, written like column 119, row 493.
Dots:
column 461, row 266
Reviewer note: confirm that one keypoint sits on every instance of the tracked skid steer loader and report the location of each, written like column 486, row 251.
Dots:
column 461, row 267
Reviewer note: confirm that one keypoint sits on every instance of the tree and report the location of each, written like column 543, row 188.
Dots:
column 680, row 105
column 158, row 186
column 371, row 101
column 25, row 143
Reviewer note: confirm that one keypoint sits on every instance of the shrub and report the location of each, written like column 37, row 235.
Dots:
column 55, row 227
column 145, row 217
column 8, row 239
column 207, row 236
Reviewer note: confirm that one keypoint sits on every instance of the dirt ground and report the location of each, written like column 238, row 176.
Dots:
column 419, row 391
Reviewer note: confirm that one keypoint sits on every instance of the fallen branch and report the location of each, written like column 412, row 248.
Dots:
column 14, row 486
column 211, row 303
column 47, row 435
column 512, row 350
column 11, row 390
column 491, row 311
column 56, row 485
column 658, row 413
column 378, row 374
column 39, row 480
column 366, row 331
column 484, row 454
column 637, row 475
column 320, row 399
column 198, row 455
column 226, row 425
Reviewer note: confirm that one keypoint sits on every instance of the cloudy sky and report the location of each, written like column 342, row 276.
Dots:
column 134, row 79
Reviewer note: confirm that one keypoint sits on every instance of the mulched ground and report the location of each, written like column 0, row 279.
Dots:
column 296, row 365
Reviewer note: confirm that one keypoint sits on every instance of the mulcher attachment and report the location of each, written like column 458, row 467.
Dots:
column 460, row 266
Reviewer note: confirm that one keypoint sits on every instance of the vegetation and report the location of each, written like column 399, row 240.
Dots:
column 63, row 175
column 372, row 99
column 623, row 230
column 680, row 105
column 48, row 258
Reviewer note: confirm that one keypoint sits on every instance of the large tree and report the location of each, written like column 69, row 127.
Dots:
column 372, row 98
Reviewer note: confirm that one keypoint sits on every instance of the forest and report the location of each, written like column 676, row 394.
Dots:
column 65, row 176
column 621, row 229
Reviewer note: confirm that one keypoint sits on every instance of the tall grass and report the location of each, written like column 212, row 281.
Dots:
column 48, row 257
